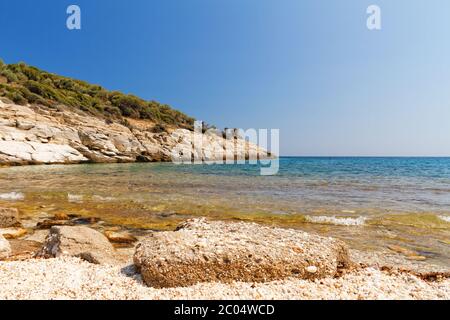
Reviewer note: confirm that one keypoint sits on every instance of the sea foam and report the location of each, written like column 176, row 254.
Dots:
column 100, row 198
column 12, row 196
column 445, row 218
column 74, row 197
column 340, row 221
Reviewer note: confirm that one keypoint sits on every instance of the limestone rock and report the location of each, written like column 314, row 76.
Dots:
column 9, row 217
column 204, row 251
column 79, row 241
column 5, row 248
column 36, row 135
column 37, row 236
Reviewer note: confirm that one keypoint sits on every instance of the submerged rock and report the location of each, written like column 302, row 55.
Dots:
column 9, row 217
column 405, row 251
column 120, row 237
column 206, row 251
column 416, row 258
column 61, row 216
column 5, row 248
column 83, row 242
column 47, row 224
column 88, row 220
column 13, row 233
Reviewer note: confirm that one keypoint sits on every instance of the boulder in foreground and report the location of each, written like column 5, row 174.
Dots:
column 206, row 251
column 5, row 248
column 83, row 242
column 9, row 217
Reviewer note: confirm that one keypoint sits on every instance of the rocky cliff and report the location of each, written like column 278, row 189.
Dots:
column 34, row 134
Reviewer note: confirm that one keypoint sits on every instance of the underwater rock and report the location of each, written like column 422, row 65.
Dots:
column 119, row 237
column 9, row 217
column 13, row 233
column 48, row 223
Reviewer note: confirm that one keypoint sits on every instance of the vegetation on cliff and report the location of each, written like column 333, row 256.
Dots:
column 24, row 84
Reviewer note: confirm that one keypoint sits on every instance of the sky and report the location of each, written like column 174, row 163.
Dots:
column 310, row 68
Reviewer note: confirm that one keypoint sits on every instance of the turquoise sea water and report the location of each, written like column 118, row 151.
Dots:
column 420, row 184
column 369, row 202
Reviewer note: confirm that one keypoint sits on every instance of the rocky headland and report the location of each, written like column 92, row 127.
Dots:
column 35, row 134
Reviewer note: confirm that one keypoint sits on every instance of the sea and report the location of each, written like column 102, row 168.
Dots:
column 371, row 203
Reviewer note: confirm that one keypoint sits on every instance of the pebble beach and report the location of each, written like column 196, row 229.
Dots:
column 232, row 261
column 72, row 278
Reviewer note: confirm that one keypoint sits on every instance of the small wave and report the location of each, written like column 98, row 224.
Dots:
column 74, row 197
column 12, row 196
column 445, row 218
column 340, row 221
column 100, row 198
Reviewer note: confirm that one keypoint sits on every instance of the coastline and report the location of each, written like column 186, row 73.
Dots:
column 35, row 134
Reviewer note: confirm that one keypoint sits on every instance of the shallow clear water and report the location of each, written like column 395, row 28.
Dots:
column 369, row 202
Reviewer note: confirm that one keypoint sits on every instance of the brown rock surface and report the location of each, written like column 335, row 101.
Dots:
column 61, row 216
column 206, row 251
column 23, row 249
column 9, row 217
column 119, row 237
column 78, row 241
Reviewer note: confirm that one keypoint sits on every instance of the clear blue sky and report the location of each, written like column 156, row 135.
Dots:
column 310, row 68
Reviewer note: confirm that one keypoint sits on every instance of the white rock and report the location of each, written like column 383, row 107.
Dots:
column 5, row 248
column 311, row 269
column 33, row 135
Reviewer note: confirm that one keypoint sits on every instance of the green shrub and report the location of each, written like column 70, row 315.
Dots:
column 113, row 111
column 158, row 128
column 16, row 97
column 8, row 74
column 31, row 73
column 130, row 106
column 29, row 84
column 29, row 96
